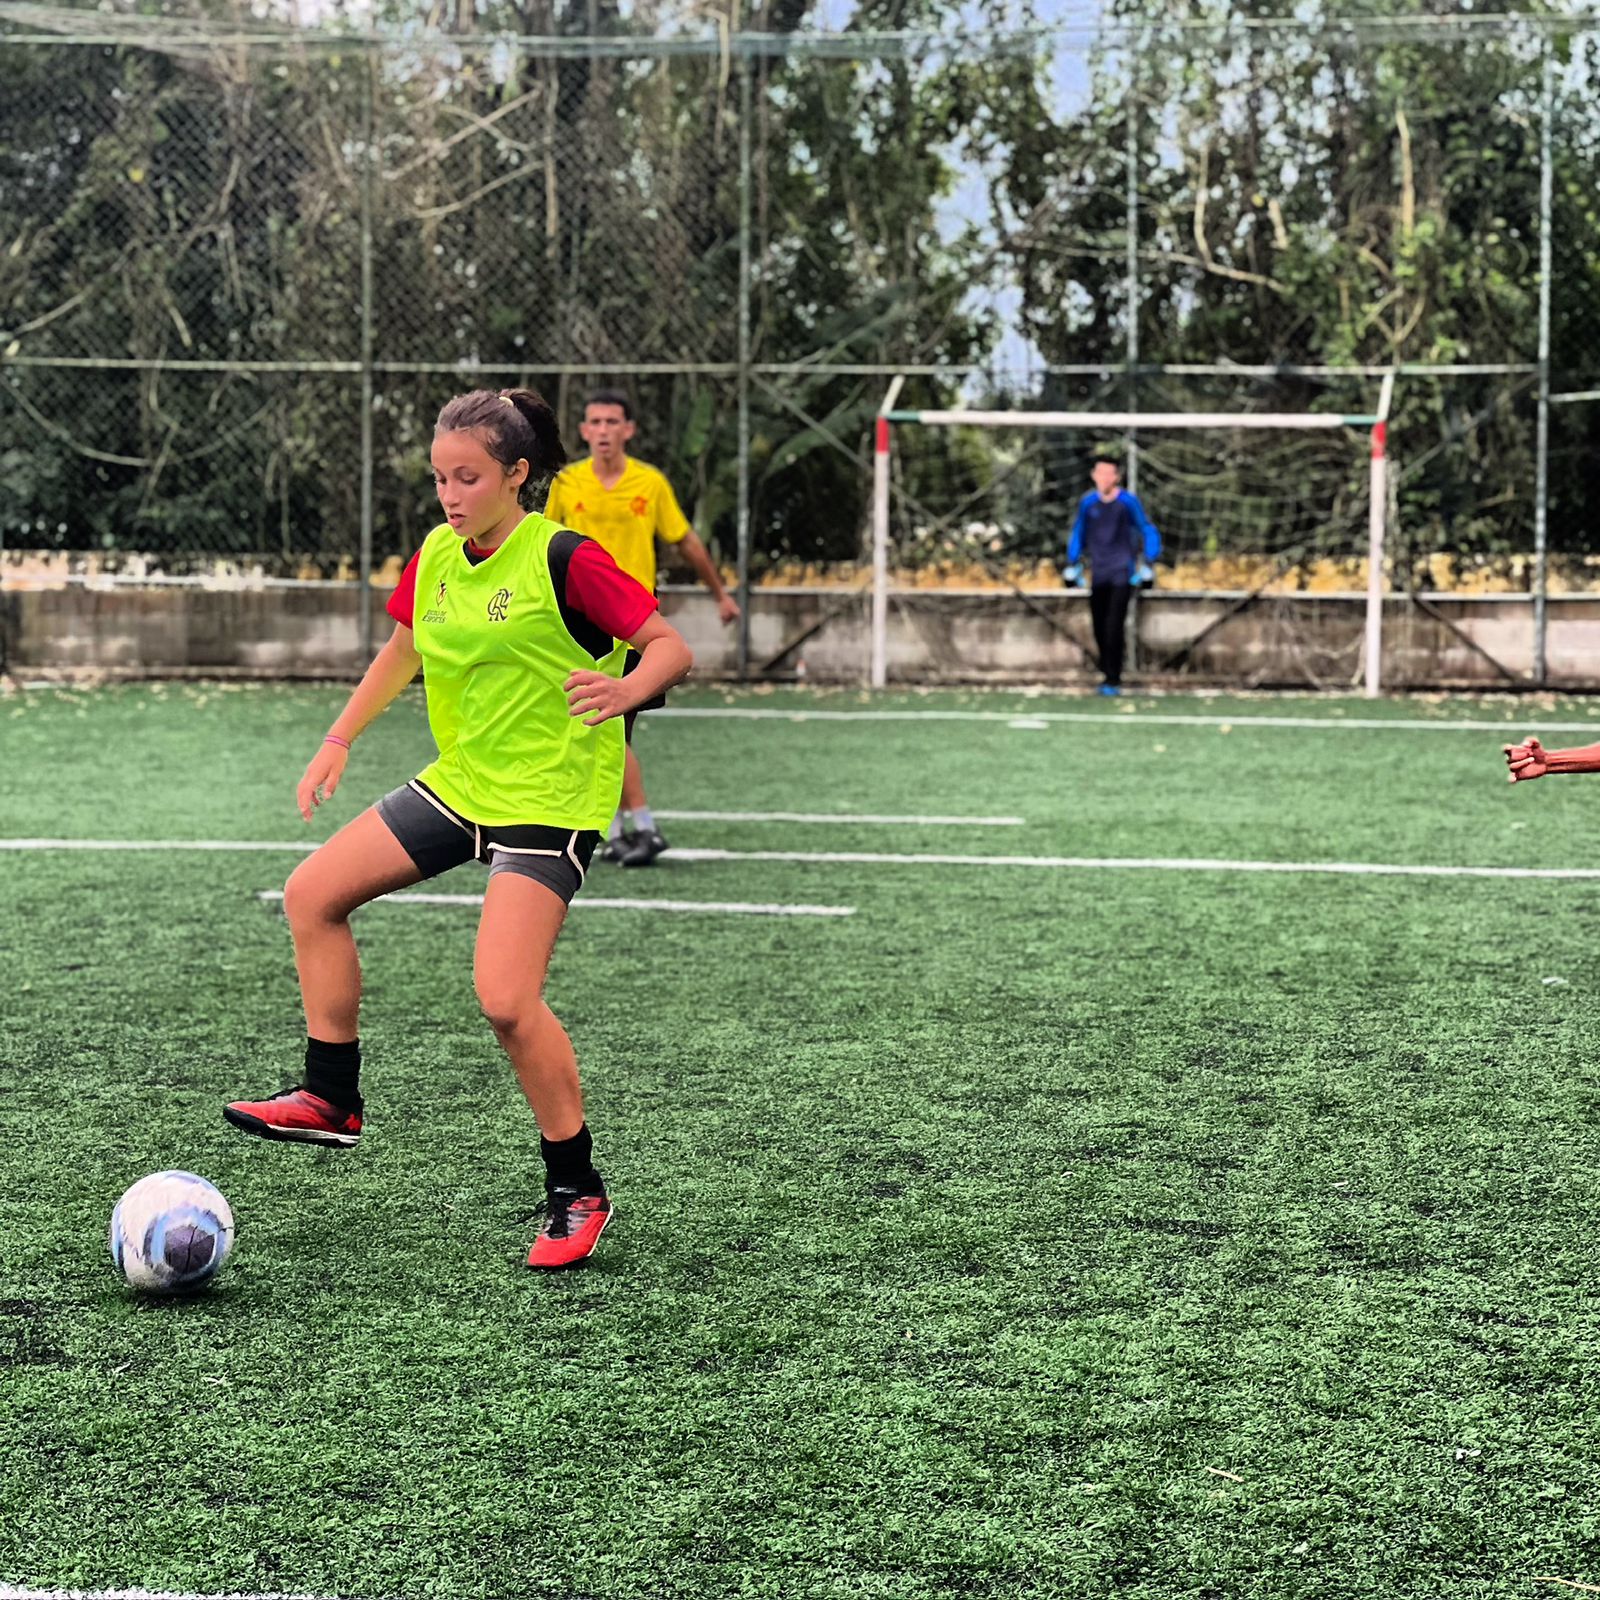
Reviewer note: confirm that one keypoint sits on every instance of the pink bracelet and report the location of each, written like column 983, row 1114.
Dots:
column 333, row 738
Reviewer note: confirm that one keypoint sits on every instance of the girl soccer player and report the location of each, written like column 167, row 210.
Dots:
column 517, row 623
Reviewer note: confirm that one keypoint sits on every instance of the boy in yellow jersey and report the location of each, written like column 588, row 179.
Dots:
column 625, row 506
column 516, row 623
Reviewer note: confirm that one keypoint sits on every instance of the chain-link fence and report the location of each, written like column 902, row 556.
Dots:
column 240, row 271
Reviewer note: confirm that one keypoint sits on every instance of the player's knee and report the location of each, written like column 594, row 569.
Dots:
column 305, row 901
column 510, row 1007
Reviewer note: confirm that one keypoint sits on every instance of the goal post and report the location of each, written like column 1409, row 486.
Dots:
column 1373, row 423
column 1377, row 509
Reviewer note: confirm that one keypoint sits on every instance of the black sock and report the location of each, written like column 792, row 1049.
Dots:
column 569, row 1164
column 334, row 1072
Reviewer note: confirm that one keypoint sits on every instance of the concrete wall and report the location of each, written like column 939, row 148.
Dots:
column 935, row 635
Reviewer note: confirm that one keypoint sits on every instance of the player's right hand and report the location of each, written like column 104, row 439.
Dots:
column 322, row 776
column 1072, row 574
column 1527, row 760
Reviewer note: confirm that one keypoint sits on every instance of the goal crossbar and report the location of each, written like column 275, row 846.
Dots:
column 1279, row 420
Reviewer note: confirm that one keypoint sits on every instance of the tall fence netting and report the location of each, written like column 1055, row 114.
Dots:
column 223, row 252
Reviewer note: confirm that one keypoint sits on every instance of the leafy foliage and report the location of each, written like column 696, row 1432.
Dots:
column 1307, row 195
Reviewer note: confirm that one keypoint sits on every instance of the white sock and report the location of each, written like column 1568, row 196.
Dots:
column 619, row 824
column 643, row 821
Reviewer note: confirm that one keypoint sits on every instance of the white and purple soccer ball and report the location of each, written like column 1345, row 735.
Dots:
column 171, row 1232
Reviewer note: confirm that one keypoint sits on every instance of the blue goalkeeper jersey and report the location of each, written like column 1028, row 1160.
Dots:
column 1113, row 536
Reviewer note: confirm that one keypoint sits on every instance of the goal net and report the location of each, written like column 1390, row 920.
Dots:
column 1269, row 520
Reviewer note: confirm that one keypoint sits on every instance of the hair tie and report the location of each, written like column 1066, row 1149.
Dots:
column 509, row 401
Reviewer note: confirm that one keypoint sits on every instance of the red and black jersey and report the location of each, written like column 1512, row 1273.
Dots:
column 599, row 601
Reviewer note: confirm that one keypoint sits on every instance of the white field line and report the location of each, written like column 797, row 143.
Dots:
column 1138, row 719
column 7, row 1592
column 733, row 908
column 842, row 819
column 1377, row 869
column 836, row 819
column 874, row 858
column 159, row 844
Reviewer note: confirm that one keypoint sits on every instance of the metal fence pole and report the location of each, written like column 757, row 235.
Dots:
column 368, row 157
column 743, row 534
column 1541, row 487
column 1131, row 202
column 1131, row 442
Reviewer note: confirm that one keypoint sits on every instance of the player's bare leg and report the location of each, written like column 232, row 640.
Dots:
column 647, row 842
column 633, row 795
column 360, row 862
column 623, row 834
column 521, row 919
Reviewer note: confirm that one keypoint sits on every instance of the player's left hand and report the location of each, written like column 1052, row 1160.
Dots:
column 596, row 697
column 728, row 610
column 1527, row 760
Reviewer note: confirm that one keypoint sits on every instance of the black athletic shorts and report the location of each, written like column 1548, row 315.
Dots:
column 438, row 838
column 630, row 661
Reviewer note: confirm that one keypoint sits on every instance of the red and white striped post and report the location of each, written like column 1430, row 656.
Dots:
column 879, row 676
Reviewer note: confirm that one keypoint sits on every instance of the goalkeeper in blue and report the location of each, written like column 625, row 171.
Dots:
column 1119, row 542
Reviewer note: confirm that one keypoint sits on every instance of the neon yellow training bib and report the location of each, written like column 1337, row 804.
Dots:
column 495, row 654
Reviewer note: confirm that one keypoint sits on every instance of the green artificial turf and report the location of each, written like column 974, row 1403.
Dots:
column 1031, row 1232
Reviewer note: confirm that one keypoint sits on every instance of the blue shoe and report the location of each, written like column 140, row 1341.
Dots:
column 1109, row 689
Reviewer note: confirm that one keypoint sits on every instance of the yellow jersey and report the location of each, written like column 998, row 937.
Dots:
column 624, row 520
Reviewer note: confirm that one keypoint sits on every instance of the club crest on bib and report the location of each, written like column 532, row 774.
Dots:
column 438, row 594
column 499, row 605
column 639, row 505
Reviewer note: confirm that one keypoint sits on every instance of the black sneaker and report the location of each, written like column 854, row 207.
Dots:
column 643, row 848
column 613, row 847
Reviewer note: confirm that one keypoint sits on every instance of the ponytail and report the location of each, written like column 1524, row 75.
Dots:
column 552, row 454
column 514, row 425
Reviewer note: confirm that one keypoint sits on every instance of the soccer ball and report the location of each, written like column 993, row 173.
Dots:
column 171, row 1232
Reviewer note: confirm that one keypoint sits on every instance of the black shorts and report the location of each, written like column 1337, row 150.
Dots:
column 438, row 838
column 630, row 661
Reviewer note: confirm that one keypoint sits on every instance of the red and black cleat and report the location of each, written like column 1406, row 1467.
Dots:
column 298, row 1116
column 572, row 1227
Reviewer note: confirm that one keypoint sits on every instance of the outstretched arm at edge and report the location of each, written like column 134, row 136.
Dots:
column 1530, row 759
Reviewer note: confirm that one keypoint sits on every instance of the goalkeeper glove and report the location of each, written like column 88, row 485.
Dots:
column 1072, row 574
column 1144, row 575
